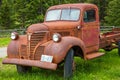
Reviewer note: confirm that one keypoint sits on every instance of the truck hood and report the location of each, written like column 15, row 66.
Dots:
column 48, row 26
column 37, row 27
column 61, row 25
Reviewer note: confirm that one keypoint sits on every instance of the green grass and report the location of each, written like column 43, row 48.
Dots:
column 4, row 42
column 106, row 67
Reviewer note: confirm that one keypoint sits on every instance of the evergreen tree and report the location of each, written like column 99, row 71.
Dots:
column 27, row 12
column 113, row 13
column 22, row 13
column 5, row 15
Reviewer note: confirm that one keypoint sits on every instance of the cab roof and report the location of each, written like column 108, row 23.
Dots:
column 78, row 5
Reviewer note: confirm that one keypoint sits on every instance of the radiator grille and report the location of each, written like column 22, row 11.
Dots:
column 39, row 52
column 35, row 39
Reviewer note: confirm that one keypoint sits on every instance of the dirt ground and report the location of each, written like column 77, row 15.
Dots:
column 3, row 52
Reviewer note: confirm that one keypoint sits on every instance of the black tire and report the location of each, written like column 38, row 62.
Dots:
column 68, row 64
column 23, row 69
column 119, row 48
column 108, row 48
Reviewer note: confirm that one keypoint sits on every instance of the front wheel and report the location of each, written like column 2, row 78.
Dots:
column 68, row 64
column 23, row 69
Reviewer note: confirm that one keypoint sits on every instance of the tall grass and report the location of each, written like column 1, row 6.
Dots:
column 4, row 41
column 106, row 67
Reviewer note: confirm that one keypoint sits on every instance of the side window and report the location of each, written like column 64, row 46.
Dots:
column 89, row 16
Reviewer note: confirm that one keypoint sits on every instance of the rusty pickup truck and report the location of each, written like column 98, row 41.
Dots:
column 68, row 31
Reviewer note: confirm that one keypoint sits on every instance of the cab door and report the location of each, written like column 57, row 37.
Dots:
column 90, row 29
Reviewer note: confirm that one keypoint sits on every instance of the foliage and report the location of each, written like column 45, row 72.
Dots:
column 22, row 13
column 103, row 68
column 5, row 15
column 113, row 13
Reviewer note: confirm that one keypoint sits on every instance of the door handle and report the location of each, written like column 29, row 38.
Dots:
column 78, row 27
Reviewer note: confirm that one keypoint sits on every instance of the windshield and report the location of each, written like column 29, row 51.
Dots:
column 64, row 14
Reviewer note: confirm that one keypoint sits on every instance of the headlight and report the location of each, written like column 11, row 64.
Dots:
column 14, row 35
column 56, row 37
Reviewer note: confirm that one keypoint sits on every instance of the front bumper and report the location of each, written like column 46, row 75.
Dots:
column 25, row 62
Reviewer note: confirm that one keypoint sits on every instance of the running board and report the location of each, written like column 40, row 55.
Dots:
column 94, row 55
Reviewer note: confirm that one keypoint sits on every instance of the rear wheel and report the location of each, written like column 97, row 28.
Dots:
column 69, row 64
column 108, row 48
column 23, row 69
column 119, row 48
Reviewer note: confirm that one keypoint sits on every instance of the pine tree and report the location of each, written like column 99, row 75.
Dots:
column 5, row 15
column 22, row 13
column 113, row 13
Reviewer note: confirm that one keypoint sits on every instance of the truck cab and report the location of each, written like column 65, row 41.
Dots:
column 68, row 30
column 80, row 21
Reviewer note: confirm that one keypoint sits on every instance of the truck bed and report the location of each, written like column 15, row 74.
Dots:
column 107, row 40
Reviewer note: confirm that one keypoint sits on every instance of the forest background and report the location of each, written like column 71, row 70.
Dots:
column 22, row 13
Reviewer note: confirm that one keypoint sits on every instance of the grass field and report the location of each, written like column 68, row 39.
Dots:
column 106, row 67
column 4, row 41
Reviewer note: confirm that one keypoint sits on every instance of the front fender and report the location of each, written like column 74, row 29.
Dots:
column 14, row 46
column 60, row 49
